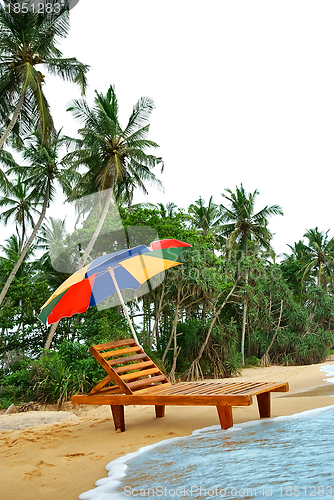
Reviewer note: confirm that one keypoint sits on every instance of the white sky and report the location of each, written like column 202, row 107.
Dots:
column 244, row 92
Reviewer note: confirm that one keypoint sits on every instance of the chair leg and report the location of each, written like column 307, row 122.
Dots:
column 159, row 411
column 263, row 401
column 118, row 416
column 225, row 416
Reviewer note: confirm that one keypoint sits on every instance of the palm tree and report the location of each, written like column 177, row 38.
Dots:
column 6, row 160
column 44, row 170
column 207, row 219
column 29, row 40
column 59, row 260
column 112, row 154
column 12, row 252
column 299, row 252
column 243, row 225
column 320, row 251
column 167, row 210
column 21, row 202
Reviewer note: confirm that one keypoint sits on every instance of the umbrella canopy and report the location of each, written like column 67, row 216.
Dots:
column 108, row 274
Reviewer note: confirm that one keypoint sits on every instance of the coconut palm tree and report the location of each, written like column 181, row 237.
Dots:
column 44, row 171
column 299, row 252
column 21, row 203
column 60, row 259
column 243, row 225
column 113, row 155
column 7, row 161
column 320, row 252
column 167, row 210
column 206, row 219
column 11, row 254
column 28, row 40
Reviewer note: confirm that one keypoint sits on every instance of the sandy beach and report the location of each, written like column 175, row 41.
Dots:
column 60, row 454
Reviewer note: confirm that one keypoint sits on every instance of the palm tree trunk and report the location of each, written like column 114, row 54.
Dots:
column 98, row 228
column 157, row 314
column 245, row 311
column 15, row 116
column 174, row 327
column 27, row 246
column 51, row 334
column 22, row 237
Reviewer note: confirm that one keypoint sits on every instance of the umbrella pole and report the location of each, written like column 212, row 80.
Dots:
column 125, row 309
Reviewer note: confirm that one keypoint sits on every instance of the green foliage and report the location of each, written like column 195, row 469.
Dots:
column 103, row 326
column 171, row 226
column 53, row 378
column 252, row 361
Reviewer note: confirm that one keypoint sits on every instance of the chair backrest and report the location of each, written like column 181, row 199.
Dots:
column 127, row 366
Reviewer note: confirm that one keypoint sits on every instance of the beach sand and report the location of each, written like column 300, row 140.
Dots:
column 59, row 454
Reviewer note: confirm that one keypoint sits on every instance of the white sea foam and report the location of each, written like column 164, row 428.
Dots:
column 329, row 369
column 106, row 488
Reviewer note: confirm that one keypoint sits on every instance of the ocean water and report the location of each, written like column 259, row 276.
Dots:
column 279, row 458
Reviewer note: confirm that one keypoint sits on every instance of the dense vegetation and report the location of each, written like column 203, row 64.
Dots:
column 230, row 304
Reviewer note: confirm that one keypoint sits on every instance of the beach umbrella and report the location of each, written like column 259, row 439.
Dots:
column 108, row 275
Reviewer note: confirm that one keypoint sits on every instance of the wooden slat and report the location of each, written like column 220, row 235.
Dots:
column 118, row 352
column 110, row 390
column 113, row 345
column 152, row 390
column 101, row 384
column 143, row 383
column 222, row 388
column 157, row 400
column 141, row 373
column 281, row 388
column 134, row 366
column 119, row 361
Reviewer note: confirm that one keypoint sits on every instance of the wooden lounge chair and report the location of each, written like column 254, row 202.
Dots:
column 134, row 379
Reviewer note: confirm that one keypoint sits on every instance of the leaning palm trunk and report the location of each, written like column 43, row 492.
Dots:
column 16, row 114
column 157, row 317
column 98, row 228
column 176, row 316
column 53, row 328
column 52, row 331
column 27, row 245
column 176, row 348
